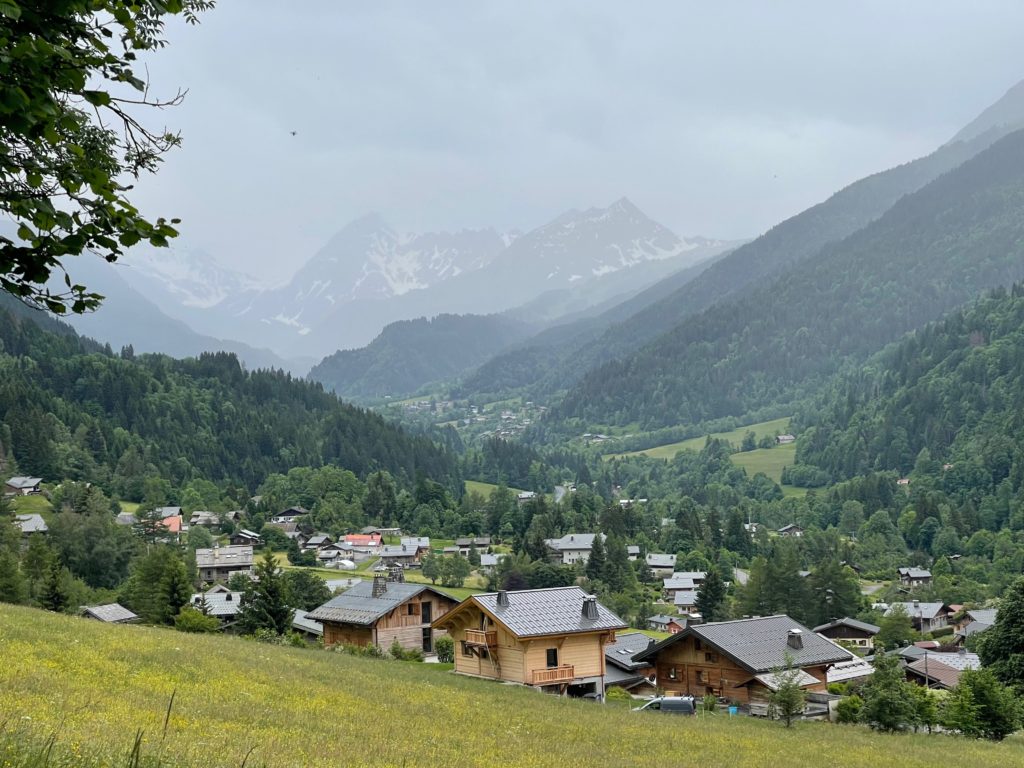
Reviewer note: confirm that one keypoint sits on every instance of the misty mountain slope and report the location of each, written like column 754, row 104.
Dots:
column 537, row 365
column 932, row 251
column 409, row 354
column 367, row 262
column 595, row 254
column 181, row 279
column 128, row 317
column 997, row 119
column 750, row 265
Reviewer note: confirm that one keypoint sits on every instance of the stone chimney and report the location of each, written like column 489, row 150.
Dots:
column 590, row 608
column 396, row 573
column 502, row 599
column 380, row 586
column 795, row 639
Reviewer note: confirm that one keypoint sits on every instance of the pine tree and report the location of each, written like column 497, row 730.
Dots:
column 618, row 574
column 888, row 702
column 13, row 588
column 596, row 562
column 787, row 700
column 711, row 596
column 834, row 593
column 263, row 604
column 54, row 595
column 757, row 598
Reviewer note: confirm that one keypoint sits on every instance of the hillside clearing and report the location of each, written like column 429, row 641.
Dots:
column 93, row 686
column 733, row 437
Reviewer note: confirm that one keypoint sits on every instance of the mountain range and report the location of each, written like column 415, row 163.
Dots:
column 369, row 275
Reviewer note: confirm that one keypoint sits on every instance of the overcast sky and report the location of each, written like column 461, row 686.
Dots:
column 718, row 118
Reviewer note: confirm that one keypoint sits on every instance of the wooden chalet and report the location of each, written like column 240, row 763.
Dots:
column 551, row 639
column 622, row 671
column 111, row 613
column 381, row 611
column 22, row 486
column 849, row 631
column 738, row 660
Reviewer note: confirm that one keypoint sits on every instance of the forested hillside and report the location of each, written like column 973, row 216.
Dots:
column 946, row 404
column 75, row 411
column 934, row 250
column 542, row 371
column 412, row 353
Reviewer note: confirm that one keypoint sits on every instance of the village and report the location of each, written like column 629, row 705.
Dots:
column 560, row 640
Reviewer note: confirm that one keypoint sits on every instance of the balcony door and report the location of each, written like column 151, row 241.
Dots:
column 552, row 657
column 426, row 614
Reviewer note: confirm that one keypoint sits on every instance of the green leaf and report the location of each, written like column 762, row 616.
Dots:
column 10, row 9
column 96, row 98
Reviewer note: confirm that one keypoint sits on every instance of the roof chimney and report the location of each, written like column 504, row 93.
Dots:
column 502, row 599
column 380, row 586
column 795, row 639
column 590, row 608
column 397, row 573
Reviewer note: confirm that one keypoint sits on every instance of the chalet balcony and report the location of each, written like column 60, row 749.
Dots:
column 554, row 675
column 482, row 638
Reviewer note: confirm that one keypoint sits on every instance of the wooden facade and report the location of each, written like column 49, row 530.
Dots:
column 485, row 648
column 692, row 667
column 409, row 623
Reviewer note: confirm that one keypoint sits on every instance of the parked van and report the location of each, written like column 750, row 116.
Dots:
column 673, row 705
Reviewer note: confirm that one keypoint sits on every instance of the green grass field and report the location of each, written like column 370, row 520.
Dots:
column 735, row 437
column 32, row 505
column 94, row 688
column 485, row 489
column 771, row 461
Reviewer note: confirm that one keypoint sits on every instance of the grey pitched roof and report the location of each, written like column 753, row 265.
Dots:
column 422, row 542
column 357, row 605
column 759, row 645
column 984, row 615
column 926, row 610
column 398, row 550
column 773, row 681
column 554, row 611
column 626, row 645
column 675, row 583
column 849, row 670
column 31, row 523
column 915, row 573
column 662, row 618
column 21, row 483
column 848, row 622
column 685, row 597
column 573, row 541
column 220, row 603
column 659, row 560
column 974, row 628
column 112, row 613
column 235, row 555
column 302, row 621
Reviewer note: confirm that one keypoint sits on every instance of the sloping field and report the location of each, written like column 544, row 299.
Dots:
column 92, row 687
column 735, row 437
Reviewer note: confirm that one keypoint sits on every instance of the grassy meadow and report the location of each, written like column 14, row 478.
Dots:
column 93, row 688
column 485, row 489
column 771, row 461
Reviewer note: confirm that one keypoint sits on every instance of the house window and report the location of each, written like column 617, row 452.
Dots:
column 412, row 609
column 696, row 644
column 552, row 657
column 673, row 673
column 711, row 658
column 702, row 676
column 465, row 650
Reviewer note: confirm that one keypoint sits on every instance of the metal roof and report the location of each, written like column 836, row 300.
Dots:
column 398, row 550
column 924, row 610
column 31, row 523
column 574, row 541
column 659, row 560
column 984, row 615
column 863, row 626
column 220, row 603
column 915, row 573
column 773, row 680
column 236, row 555
column 685, row 598
column 302, row 621
column 112, row 613
column 849, row 670
column 21, row 483
column 357, row 605
column 933, row 670
column 626, row 645
column 554, row 611
column 760, row 644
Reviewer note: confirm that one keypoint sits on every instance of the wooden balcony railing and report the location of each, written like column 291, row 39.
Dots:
column 553, row 675
column 488, row 639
